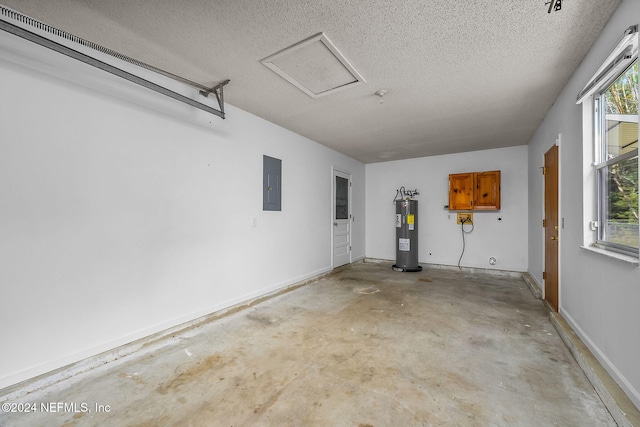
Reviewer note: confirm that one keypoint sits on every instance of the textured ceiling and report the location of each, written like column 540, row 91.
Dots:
column 460, row 75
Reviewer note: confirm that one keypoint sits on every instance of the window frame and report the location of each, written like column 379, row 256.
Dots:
column 602, row 165
column 623, row 56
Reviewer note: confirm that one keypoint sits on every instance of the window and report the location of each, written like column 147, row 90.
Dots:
column 616, row 137
column 612, row 97
column 342, row 198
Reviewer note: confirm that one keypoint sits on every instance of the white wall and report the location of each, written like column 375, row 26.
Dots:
column 123, row 212
column 439, row 237
column 599, row 296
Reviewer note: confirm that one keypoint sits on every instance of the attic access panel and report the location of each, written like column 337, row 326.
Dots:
column 315, row 66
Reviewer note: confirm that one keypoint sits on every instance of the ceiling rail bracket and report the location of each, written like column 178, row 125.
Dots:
column 219, row 92
column 32, row 30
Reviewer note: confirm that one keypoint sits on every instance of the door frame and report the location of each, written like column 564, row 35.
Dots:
column 334, row 171
column 558, row 144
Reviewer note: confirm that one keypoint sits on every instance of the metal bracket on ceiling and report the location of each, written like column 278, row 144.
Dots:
column 24, row 26
column 218, row 90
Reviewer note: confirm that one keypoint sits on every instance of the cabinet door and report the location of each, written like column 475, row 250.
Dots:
column 461, row 191
column 487, row 194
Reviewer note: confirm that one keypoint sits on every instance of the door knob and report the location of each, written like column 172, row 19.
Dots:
column 335, row 224
column 554, row 238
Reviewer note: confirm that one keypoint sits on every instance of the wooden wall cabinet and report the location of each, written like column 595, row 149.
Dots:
column 474, row 191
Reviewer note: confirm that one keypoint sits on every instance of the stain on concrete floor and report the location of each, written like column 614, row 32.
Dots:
column 367, row 346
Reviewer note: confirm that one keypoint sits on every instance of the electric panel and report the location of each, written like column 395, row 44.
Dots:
column 271, row 184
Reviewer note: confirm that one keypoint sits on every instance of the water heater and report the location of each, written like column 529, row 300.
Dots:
column 407, row 234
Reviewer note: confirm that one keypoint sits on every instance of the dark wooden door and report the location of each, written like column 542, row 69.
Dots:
column 551, row 244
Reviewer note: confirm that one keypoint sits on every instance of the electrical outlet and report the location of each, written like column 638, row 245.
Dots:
column 467, row 216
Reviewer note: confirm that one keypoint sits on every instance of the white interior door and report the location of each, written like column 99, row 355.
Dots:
column 341, row 218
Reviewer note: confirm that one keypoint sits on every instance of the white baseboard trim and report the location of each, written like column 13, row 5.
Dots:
column 532, row 283
column 73, row 366
column 620, row 398
column 470, row 270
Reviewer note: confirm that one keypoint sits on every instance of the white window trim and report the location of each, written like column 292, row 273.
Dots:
column 615, row 255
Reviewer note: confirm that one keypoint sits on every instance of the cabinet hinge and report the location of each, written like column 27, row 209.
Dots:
column 544, row 222
column 544, row 275
column 544, row 170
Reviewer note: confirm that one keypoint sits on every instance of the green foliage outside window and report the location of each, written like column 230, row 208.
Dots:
column 621, row 137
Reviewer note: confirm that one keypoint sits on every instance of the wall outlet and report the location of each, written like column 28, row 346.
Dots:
column 467, row 216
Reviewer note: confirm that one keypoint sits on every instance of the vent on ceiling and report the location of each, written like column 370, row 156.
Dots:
column 315, row 66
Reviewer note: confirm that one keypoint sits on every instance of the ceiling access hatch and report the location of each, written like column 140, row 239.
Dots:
column 315, row 66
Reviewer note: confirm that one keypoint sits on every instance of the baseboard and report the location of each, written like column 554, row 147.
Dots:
column 150, row 342
column 533, row 285
column 357, row 259
column 621, row 407
column 470, row 270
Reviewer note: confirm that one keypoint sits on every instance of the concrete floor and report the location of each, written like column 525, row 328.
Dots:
column 366, row 346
